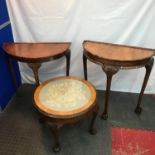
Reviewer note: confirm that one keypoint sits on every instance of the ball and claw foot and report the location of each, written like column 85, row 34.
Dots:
column 93, row 131
column 104, row 116
column 138, row 110
column 56, row 148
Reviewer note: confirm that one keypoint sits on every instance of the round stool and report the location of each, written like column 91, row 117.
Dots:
column 65, row 100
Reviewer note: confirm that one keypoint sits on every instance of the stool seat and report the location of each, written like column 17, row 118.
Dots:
column 64, row 97
column 114, row 54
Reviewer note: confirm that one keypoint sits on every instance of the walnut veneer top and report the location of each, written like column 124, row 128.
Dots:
column 115, row 52
column 35, row 50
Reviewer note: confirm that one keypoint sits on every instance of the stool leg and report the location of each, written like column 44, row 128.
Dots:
column 148, row 68
column 68, row 63
column 35, row 67
column 110, row 71
column 85, row 66
column 92, row 129
column 55, row 130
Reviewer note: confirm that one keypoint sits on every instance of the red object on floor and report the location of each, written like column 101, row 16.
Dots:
column 132, row 142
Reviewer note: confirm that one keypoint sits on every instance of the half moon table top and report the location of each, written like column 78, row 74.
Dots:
column 36, row 51
column 64, row 97
column 108, row 52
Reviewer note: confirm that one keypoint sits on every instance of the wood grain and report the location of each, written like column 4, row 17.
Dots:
column 35, row 50
column 117, row 52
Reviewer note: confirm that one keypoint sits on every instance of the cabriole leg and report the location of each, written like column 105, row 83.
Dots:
column 85, row 66
column 68, row 63
column 55, row 130
column 92, row 129
column 110, row 71
column 148, row 68
column 13, row 75
column 35, row 67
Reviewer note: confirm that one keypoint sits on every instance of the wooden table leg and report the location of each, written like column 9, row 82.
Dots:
column 12, row 72
column 55, row 130
column 85, row 66
column 92, row 129
column 68, row 63
column 35, row 67
column 148, row 68
column 110, row 71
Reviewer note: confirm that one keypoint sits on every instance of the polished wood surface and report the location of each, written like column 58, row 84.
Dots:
column 34, row 54
column 112, row 58
column 60, row 118
column 35, row 50
column 65, row 114
column 107, row 52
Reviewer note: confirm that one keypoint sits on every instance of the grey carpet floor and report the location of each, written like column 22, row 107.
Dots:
column 22, row 134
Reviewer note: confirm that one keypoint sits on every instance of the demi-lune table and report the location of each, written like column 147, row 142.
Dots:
column 36, row 53
column 64, row 100
column 112, row 58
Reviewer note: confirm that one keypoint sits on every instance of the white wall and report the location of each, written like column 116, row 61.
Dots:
column 118, row 21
